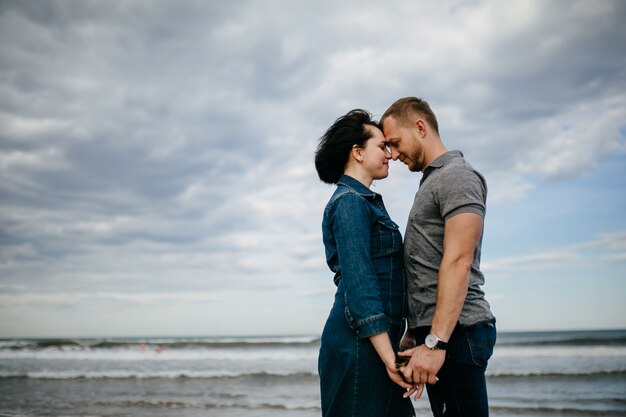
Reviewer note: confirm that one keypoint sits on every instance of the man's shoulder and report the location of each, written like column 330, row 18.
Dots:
column 454, row 185
column 458, row 170
column 457, row 163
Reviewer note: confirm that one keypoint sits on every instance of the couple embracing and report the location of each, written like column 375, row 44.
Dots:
column 370, row 363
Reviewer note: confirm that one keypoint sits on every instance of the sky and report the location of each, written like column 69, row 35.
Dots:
column 156, row 157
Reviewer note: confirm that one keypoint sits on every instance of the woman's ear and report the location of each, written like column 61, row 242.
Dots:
column 356, row 153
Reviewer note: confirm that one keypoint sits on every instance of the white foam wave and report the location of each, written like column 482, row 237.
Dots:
column 137, row 355
column 286, row 353
column 13, row 344
column 121, row 374
column 559, row 351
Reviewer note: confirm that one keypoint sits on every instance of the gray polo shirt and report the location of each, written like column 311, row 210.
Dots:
column 448, row 187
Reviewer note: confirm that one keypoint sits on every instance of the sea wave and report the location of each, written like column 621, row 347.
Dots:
column 187, row 374
column 283, row 353
column 211, row 405
column 168, row 343
column 555, row 411
column 533, row 351
column 556, row 374
column 225, row 374
column 600, row 338
column 564, row 338
column 160, row 354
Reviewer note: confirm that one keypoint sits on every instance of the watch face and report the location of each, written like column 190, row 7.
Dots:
column 431, row 341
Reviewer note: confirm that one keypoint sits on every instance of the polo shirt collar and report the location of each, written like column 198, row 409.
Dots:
column 444, row 158
column 440, row 161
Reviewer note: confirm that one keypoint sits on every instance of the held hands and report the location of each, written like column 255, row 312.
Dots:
column 395, row 375
column 382, row 345
column 423, row 366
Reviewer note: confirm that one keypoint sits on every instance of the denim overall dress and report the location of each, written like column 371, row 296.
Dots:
column 364, row 250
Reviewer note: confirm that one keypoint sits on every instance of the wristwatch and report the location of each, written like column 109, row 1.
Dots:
column 433, row 342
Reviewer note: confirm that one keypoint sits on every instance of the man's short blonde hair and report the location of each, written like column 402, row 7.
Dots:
column 405, row 109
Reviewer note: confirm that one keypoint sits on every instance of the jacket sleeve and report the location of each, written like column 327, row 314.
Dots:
column 352, row 230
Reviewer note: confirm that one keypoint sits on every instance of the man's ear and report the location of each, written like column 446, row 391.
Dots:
column 420, row 125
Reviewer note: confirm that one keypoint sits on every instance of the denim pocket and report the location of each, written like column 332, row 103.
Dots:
column 481, row 339
column 386, row 238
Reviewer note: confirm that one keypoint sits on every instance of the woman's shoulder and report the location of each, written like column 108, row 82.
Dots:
column 347, row 201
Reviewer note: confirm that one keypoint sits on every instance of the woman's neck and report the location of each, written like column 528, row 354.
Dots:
column 355, row 172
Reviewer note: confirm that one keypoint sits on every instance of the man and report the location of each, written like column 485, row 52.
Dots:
column 449, row 318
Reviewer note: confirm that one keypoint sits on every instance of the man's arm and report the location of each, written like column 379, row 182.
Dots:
column 461, row 235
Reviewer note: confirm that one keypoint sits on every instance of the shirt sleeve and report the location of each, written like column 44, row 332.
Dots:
column 463, row 190
column 352, row 230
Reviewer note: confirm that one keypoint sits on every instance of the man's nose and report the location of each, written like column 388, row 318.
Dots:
column 395, row 154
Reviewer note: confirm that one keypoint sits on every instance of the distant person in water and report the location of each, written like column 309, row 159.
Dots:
column 358, row 376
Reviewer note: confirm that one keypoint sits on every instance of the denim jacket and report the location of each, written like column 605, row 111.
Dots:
column 364, row 250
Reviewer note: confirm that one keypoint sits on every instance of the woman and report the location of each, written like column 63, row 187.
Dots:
column 357, row 369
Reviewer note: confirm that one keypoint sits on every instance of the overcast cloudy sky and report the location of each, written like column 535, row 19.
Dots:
column 156, row 158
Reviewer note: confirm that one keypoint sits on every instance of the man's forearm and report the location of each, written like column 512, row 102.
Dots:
column 451, row 293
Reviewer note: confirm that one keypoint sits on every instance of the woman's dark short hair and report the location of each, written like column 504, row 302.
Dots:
column 335, row 146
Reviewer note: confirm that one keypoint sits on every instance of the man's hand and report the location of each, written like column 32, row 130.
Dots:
column 423, row 365
column 395, row 376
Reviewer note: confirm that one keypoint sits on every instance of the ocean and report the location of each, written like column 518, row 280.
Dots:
column 573, row 373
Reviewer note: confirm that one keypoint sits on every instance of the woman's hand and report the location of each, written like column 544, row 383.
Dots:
column 382, row 345
column 395, row 376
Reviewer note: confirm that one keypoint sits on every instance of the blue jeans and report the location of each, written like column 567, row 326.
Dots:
column 462, row 389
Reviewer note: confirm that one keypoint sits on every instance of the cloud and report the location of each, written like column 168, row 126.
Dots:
column 605, row 248
column 82, row 299
column 157, row 147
